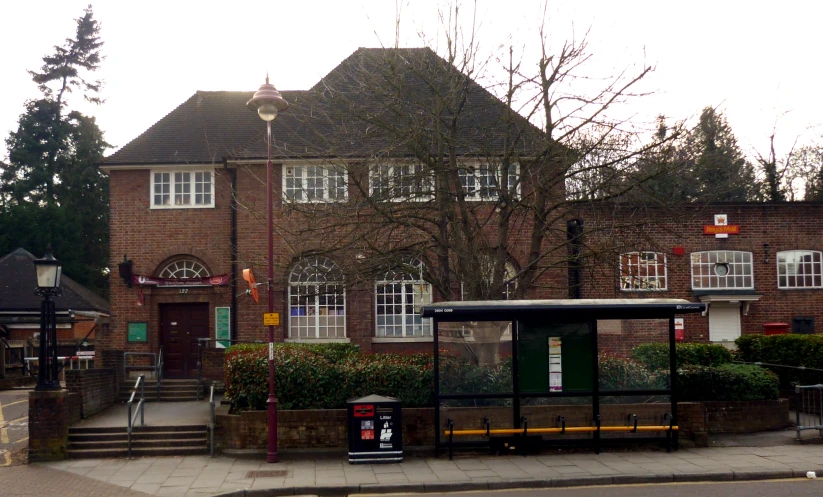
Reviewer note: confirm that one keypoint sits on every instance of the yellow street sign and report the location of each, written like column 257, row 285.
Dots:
column 271, row 319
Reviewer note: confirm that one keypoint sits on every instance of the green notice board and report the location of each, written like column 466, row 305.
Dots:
column 137, row 332
column 222, row 326
column 576, row 356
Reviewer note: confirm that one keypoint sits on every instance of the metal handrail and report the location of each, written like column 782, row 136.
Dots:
column 158, row 373
column 131, row 419
column 211, row 423
column 126, row 367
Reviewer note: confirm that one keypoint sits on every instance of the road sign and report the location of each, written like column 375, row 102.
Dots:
column 271, row 319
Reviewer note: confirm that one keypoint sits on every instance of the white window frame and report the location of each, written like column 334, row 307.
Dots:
column 328, row 174
column 387, row 182
column 705, row 266
column 315, row 280
column 788, row 269
column 188, row 187
column 643, row 271
column 186, row 266
column 480, row 183
column 414, row 292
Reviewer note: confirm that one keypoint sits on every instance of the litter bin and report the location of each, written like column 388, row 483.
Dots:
column 775, row 328
column 375, row 430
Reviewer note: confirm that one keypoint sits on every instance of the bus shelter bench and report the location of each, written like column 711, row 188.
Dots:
column 523, row 433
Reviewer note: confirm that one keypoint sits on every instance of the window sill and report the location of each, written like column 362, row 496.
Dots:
column 318, row 340
column 173, row 207
column 402, row 339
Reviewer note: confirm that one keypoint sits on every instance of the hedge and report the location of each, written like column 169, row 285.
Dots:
column 655, row 356
column 309, row 377
column 325, row 376
column 787, row 350
column 726, row 382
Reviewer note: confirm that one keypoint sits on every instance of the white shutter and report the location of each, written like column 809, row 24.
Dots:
column 724, row 321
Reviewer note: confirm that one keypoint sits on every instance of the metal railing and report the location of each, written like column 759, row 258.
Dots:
column 809, row 408
column 211, row 422
column 132, row 418
column 158, row 373
column 139, row 367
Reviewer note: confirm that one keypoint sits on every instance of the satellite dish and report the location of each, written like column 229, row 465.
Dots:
column 249, row 277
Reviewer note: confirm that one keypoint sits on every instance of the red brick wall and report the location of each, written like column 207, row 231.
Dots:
column 50, row 415
column 97, row 388
column 787, row 226
column 312, row 429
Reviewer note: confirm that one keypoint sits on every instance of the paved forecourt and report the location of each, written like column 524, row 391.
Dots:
column 203, row 475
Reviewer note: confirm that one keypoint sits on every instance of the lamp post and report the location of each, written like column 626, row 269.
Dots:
column 267, row 102
column 49, row 270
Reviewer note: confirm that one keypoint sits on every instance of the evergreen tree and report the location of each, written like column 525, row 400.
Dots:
column 717, row 166
column 53, row 192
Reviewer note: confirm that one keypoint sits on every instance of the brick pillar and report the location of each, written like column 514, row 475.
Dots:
column 51, row 413
column 113, row 359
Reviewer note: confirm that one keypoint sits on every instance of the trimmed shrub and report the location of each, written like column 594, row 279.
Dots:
column 322, row 377
column 655, row 356
column 726, row 382
column 787, row 350
column 617, row 373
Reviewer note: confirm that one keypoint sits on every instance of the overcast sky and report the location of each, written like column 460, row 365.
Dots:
column 757, row 61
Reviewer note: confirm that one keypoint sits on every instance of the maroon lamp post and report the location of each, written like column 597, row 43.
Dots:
column 268, row 102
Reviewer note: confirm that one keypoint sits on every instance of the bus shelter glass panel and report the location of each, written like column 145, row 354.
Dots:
column 556, row 357
column 475, row 357
column 633, row 355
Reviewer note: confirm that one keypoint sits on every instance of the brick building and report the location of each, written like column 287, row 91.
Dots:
column 188, row 215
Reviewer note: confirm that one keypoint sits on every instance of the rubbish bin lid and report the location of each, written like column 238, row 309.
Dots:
column 776, row 324
column 372, row 399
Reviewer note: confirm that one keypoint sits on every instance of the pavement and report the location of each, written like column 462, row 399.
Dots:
column 731, row 458
column 769, row 455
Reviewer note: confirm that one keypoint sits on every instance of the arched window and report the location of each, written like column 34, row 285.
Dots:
column 184, row 268
column 722, row 269
column 317, row 300
column 399, row 295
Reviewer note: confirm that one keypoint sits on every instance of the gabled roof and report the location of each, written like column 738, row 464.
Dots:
column 17, row 284
column 377, row 102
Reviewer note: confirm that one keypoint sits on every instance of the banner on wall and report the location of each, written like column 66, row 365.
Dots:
column 217, row 280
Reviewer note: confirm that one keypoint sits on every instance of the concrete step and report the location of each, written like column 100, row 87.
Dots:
column 102, row 442
column 135, row 452
column 136, row 435
column 137, row 429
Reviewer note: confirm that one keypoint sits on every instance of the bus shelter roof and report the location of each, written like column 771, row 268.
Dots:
column 572, row 310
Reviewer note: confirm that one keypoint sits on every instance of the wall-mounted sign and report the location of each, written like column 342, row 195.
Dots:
column 137, row 332
column 679, row 330
column 271, row 319
column 217, row 280
column 222, row 326
column 721, row 227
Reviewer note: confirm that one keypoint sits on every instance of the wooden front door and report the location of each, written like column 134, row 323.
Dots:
column 180, row 327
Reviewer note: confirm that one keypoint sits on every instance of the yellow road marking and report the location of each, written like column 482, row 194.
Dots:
column 18, row 402
column 4, row 433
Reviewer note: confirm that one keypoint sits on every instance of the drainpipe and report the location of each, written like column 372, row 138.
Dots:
column 574, row 234
column 233, row 242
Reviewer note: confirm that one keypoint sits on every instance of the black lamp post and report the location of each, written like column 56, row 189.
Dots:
column 267, row 102
column 49, row 270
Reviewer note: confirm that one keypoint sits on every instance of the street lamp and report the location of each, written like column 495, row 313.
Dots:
column 49, row 270
column 267, row 102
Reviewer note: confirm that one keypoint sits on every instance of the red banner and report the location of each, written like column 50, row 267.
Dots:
column 217, row 280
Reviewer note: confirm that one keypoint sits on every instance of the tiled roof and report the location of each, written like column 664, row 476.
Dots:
column 376, row 102
column 18, row 281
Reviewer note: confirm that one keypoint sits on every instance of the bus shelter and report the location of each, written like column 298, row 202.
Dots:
column 519, row 374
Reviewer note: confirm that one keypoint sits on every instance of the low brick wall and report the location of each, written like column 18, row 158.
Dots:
column 213, row 364
column 50, row 415
column 96, row 387
column 327, row 428
column 746, row 417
